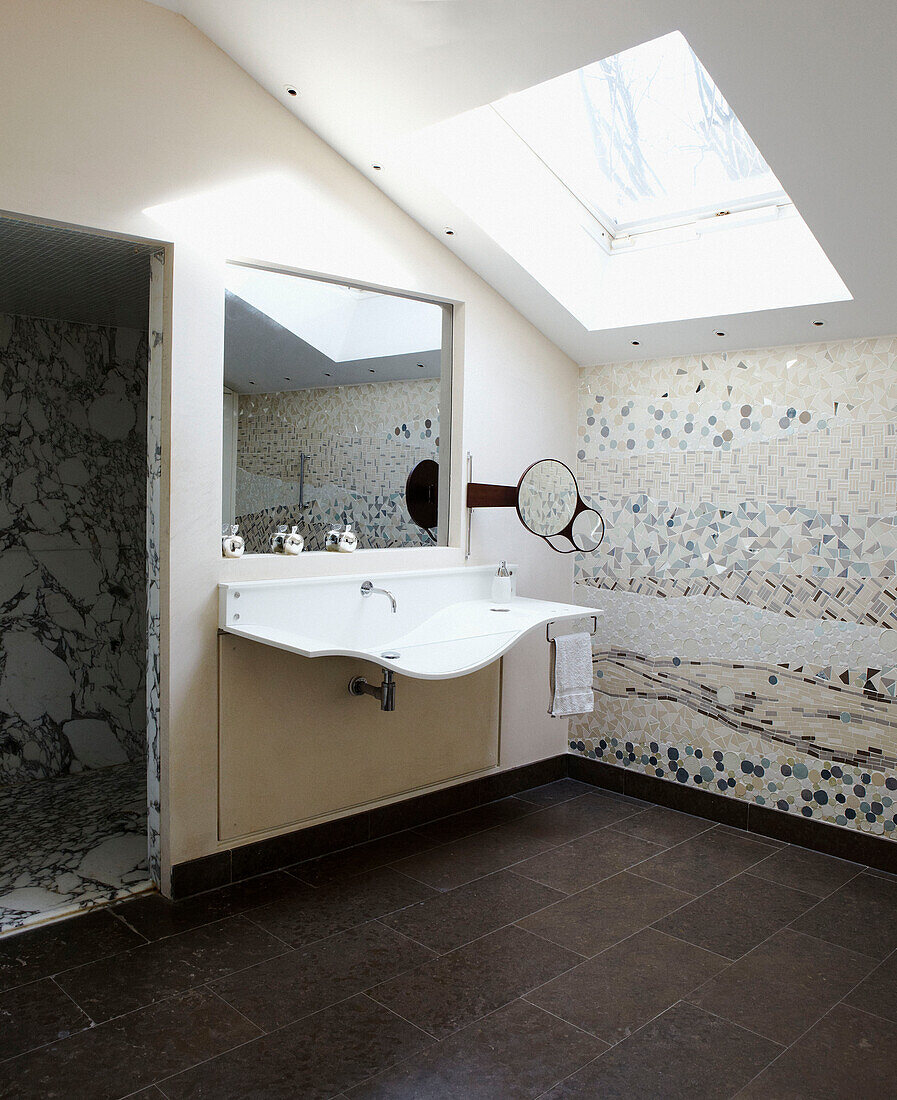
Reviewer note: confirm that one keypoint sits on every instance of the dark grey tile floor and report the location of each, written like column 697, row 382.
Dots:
column 563, row 943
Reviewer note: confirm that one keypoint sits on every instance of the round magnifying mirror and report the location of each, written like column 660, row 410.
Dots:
column 547, row 497
column 587, row 531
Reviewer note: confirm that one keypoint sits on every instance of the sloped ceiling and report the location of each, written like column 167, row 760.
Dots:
column 812, row 81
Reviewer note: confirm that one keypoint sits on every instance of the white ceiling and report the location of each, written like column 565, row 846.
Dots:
column 262, row 356
column 811, row 80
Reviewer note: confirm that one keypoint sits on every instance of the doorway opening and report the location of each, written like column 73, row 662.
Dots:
column 80, row 469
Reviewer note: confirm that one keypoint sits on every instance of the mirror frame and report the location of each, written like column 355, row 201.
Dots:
column 566, row 532
column 450, row 411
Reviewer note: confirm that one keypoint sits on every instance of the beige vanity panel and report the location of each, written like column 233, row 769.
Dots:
column 294, row 744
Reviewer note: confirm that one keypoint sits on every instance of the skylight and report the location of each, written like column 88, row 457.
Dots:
column 630, row 192
column 643, row 137
column 345, row 323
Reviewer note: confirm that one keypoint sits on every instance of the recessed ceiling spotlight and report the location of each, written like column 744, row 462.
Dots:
column 819, row 324
column 291, row 90
column 720, row 334
column 371, row 370
column 421, row 366
column 377, row 167
column 448, row 231
column 251, row 383
column 287, row 378
column 327, row 374
column 635, row 343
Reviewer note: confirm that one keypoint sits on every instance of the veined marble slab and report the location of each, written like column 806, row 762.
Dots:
column 71, row 844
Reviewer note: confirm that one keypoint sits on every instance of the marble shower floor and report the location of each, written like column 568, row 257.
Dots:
column 70, row 844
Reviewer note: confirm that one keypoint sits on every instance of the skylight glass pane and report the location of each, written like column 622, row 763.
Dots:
column 643, row 136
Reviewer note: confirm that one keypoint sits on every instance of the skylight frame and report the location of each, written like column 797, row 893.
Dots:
column 622, row 230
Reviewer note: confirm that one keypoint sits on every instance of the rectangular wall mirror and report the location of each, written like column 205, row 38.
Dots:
column 332, row 395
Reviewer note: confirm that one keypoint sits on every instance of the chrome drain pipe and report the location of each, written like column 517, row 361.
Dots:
column 386, row 692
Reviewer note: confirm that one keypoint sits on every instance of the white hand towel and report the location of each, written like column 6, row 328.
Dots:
column 572, row 680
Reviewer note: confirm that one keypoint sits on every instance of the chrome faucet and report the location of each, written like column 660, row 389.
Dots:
column 367, row 589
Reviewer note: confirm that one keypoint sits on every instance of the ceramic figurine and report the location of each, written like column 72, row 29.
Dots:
column 347, row 541
column 278, row 539
column 232, row 544
column 294, row 543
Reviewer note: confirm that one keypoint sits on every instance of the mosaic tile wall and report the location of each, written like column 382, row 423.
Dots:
column 72, row 551
column 361, row 442
column 748, row 579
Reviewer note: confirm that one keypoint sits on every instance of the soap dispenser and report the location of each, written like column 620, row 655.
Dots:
column 502, row 584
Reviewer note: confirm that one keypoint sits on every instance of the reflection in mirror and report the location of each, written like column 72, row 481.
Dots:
column 332, row 395
column 547, row 497
column 588, row 530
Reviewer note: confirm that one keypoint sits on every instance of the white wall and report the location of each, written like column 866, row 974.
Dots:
column 113, row 107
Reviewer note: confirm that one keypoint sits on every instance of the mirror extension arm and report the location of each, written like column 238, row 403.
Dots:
column 480, row 495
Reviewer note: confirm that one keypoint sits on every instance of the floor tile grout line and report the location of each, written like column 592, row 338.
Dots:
column 822, row 897
column 818, row 1020
column 858, row 1008
column 794, row 1042
column 536, row 810
column 828, row 943
column 710, row 891
column 750, row 869
column 734, row 1023
column 552, row 847
column 96, row 1025
column 265, row 1034
column 709, row 950
column 728, row 963
column 473, row 1023
column 329, row 1004
column 568, row 1023
column 368, row 993
column 80, row 1008
column 119, row 917
column 41, row 1046
column 579, row 1069
column 87, row 962
column 173, row 993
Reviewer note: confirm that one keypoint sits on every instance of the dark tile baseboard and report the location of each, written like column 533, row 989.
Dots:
column 258, row 857
column 833, row 840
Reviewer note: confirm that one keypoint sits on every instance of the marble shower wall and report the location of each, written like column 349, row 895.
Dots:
column 72, row 547
column 361, row 442
column 153, row 458
column 748, row 578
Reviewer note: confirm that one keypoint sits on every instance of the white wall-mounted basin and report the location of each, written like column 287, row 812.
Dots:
column 445, row 624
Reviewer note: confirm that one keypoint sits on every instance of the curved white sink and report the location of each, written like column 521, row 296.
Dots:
column 445, row 623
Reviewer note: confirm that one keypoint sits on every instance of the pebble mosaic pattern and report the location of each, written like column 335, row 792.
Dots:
column 747, row 643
